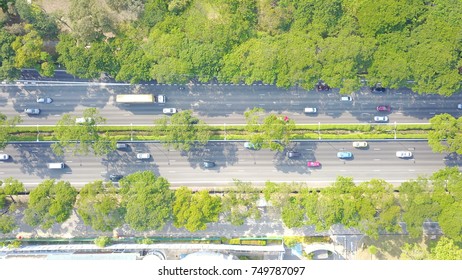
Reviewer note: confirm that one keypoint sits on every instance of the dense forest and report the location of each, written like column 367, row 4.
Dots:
column 345, row 43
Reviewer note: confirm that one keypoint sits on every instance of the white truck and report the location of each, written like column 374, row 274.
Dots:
column 55, row 165
column 139, row 98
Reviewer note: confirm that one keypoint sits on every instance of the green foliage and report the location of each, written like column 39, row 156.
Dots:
column 8, row 70
column 99, row 206
column 147, row 200
column 273, row 131
column 445, row 135
column 446, row 249
column 182, row 131
column 7, row 224
column 49, row 203
column 103, row 241
column 240, row 203
column 32, row 13
column 194, row 211
column 413, row 251
column 29, row 52
column 6, row 127
column 80, row 138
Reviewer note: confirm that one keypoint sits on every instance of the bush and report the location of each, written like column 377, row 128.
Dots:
column 103, row 241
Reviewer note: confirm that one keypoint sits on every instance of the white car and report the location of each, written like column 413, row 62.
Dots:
column 169, row 111
column 143, row 155
column 46, row 100
column 360, row 144
column 381, row 119
column 4, row 157
column 83, row 120
column 346, row 98
column 32, row 111
column 161, row 98
column 404, row 154
column 459, row 106
column 311, row 110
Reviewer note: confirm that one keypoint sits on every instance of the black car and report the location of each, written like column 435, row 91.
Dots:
column 378, row 88
column 208, row 164
column 293, row 154
column 115, row 177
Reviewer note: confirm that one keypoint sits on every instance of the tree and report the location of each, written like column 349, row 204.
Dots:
column 81, row 137
column 99, row 206
column 29, row 52
column 413, row 251
column 6, row 125
column 12, row 187
column 446, row 249
column 240, row 203
column 194, row 211
column 103, row 241
column 446, row 135
column 33, row 14
column 8, row 71
column 49, row 203
column 273, row 131
column 7, row 224
column 147, row 200
column 182, row 131
column 8, row 188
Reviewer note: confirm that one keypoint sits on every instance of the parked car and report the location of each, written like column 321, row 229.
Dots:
column 161, row 98
column 346, row 98
column 384, row 108
column 313, row 164
column 4, row 157
column 169, row 111
column 344, row 155
column 378, row 89
column 381, row 119
column 459, row 106
column 46, row 100
column 115, row 177
column 32, row 111
column 311, row 110
column 293, row 154
column 83, row 120
column 143, row 155
column 360, row 144
column 208, row 164
column 404, row 154
column 322, row 87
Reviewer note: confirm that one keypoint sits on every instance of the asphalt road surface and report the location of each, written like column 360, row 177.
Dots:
column 28, row 163
column 218, row 104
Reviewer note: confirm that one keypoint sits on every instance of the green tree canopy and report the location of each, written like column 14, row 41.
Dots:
column 182, row 131
column 240, row 203
column 194, row 210
column 99, row 206
column 446, row 249
column 6, row 125
column 49, row 203
column 81, row 137
column 147, row 200
column 446, row 134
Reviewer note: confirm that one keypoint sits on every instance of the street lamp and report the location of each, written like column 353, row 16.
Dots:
column 38, row 134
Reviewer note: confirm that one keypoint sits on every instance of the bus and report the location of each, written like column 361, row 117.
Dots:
column 135, row 98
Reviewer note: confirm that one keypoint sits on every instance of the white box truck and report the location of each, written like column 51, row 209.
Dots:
column 56, row 165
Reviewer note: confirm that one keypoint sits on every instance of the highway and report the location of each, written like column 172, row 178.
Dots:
column 28, row 163
column 218, row 104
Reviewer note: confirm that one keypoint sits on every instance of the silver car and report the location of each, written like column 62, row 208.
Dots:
column 404, row 154
column 32, row 111
column 143, row 156
column 4, row 156
column 381, row 119
column 46, row 100
column 169, row 111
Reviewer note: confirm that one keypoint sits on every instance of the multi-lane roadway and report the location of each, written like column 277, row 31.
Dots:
column 29, row 163
column 224, row 104
column 220, row 104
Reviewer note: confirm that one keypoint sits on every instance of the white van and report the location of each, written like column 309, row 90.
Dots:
column 346, row 98
column 56, row 165
column 311, row 110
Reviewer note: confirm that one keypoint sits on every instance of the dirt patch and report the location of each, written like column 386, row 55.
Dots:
column 53, row 6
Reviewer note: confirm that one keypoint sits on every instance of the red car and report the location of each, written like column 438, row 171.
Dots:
column 384, row 108
column 313, row 164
